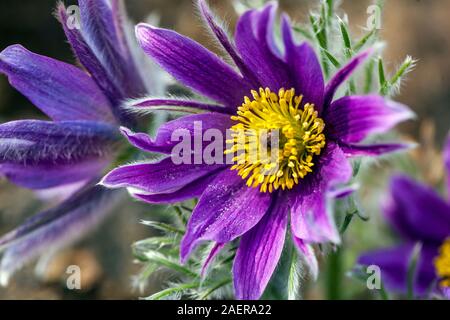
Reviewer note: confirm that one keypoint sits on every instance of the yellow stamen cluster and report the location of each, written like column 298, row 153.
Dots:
column 442, row 264
column 299, row 135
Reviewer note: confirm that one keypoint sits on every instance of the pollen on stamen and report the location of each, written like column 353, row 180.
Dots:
column 442, row 264
column 275, row 139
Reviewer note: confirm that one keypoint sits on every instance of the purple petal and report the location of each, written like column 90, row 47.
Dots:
column 60, row 90
column 193, row 125
column 193, row 65
column 212, row 255
column 447, row 163
column 193, row 190
column 121, row 22
column 267, row 28
column 343, row 192
column 373, row 150
column 115, row 88
column 226, row 210
column 34, row 141
column 352, row 119
column 417, row 211
column 305, row 66
column 259, row 252
column 342, row 75
column 394, row 263
column 59, row 193
column 156, row 178
column 56, row 228
column 308, row 256
column 223, row 38
column 311, row 217
column 144, row 142
column 98, row 27
column 150, row 103
column 446, row 292
column 89, row 60
column 42, row 176
column 41, row 154
column 253, row 32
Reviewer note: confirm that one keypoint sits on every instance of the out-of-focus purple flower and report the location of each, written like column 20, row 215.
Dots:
column 419, row 215
column 318, row 135
column 70, row 151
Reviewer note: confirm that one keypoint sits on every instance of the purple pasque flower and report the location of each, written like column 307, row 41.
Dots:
column 419, row 215
column 67, row 154
column 317, row 136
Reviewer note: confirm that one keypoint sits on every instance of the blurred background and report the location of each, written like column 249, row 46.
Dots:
column 414, row 27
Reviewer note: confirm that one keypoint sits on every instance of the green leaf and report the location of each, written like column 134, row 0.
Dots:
column 318, row 31
column 356, row 167
column 352, row 210
column 381, row 4
column 145, row 274
column 172, row 291
column 181, row 217
column 155, row 242
column 334, row 61
column 170, row 109
column 383, row 293
column 319, row 27
column 382, row 77
column 348, row 51
column 170, row 263
column 346, row 37
column 362, row 42
column 394, row 83
column 369, row 71
column 347, row 220
column 213, row 288
column 330, row 9
column 406, row 67
column 304, row 32
column 163, row 227
column 351, row 87
column 293, row 284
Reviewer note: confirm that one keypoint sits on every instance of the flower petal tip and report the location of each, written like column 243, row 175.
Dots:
column 6, row 54
column 343, row 192
column 335, row 239
column 103, row 182
column 125, row 131
column 203, row 4
column 405, row 147
column 272, row 4
column 285, row 19
column 4, row 279
column 142, row 29
column 404, row 113
column 184, row 259
column 411, row 145
column 11, row 48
